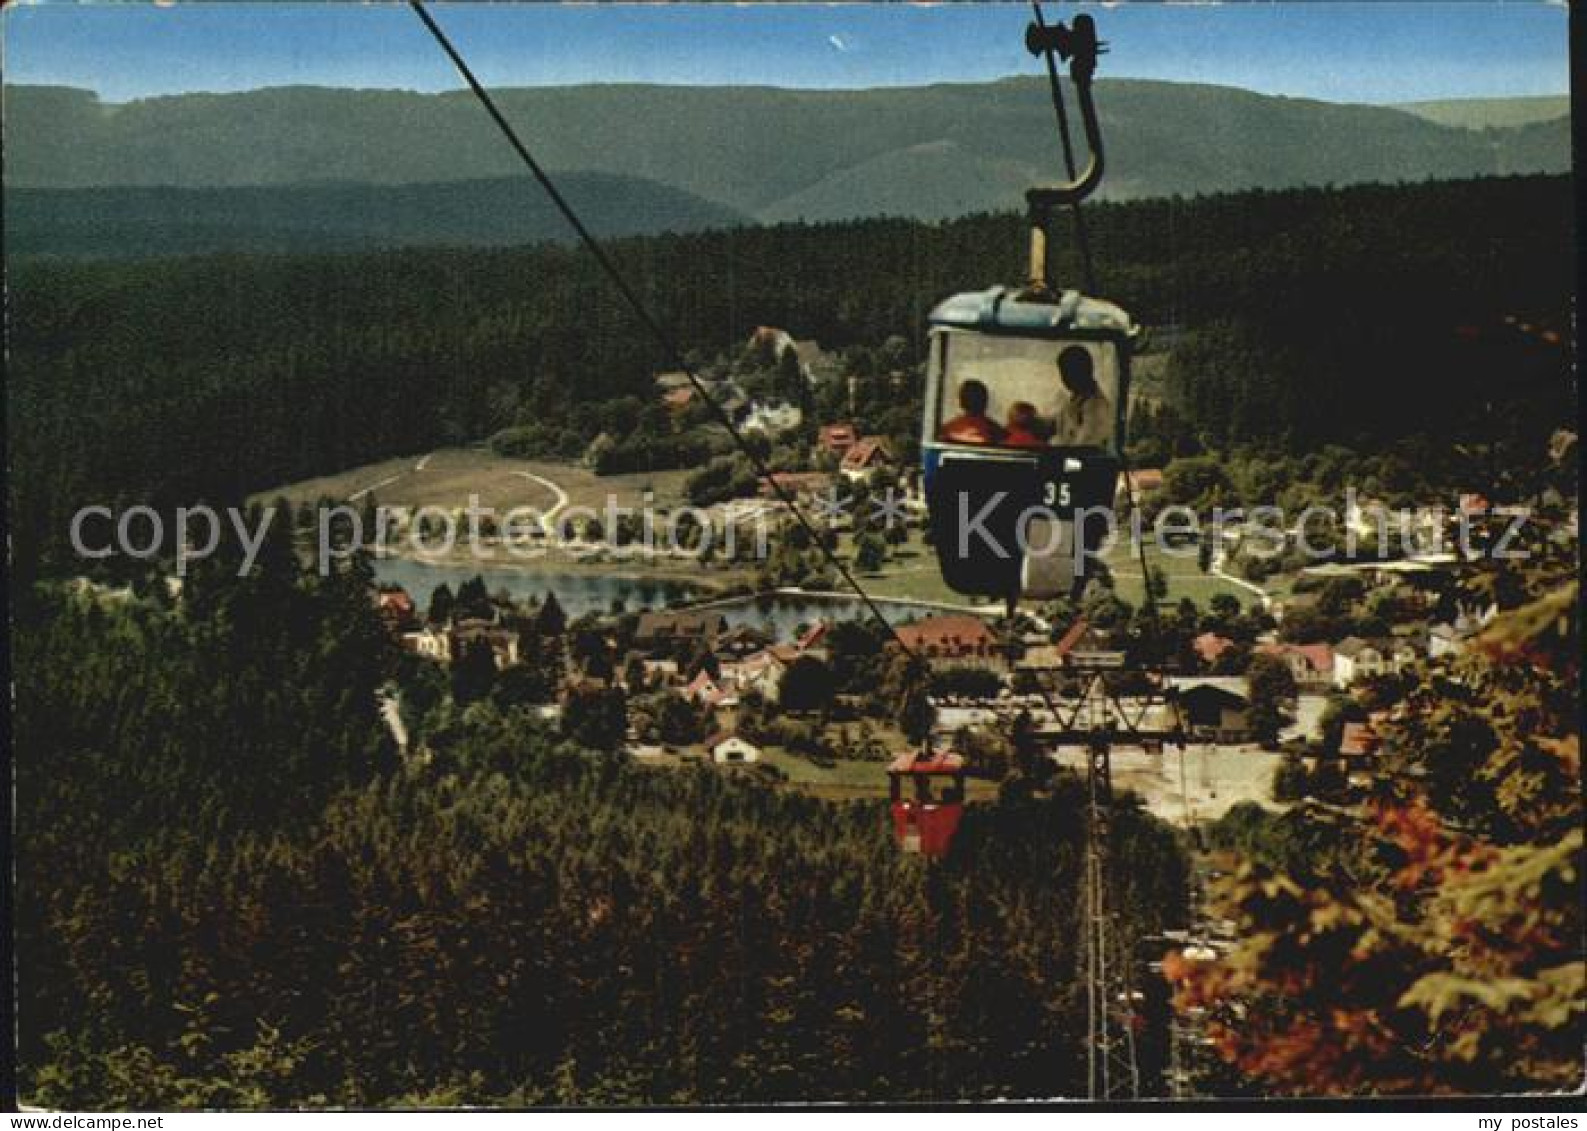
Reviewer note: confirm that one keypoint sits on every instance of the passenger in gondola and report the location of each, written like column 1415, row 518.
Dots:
column 972, row 425
column 1086, row 420
column 1022, row 426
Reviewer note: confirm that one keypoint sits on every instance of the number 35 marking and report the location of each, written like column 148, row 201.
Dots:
column 1055, row 494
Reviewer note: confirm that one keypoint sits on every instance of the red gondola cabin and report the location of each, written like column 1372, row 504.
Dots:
column 928, row 800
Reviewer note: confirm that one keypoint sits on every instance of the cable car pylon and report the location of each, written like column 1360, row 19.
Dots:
column 1097, row 721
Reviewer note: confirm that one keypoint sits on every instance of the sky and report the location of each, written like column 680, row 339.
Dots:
column 1380, row 52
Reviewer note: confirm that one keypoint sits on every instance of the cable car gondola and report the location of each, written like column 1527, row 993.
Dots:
column 1050, row 375
column 927, row 795
column 1025, row 399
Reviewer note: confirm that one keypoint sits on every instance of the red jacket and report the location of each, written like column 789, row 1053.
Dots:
column 971, row 429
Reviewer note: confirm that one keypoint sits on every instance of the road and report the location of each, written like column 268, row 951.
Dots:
column 549, row 518
column 1215, row 567
column 546, row 520
column 388, row 480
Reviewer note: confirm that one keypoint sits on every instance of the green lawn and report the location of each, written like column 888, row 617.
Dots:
column 911, row 572
column 847, row 780
column 843, row 780
column 447, row 477
column 1185, row 578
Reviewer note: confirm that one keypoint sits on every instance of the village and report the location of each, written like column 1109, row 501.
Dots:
column 1276, row 668
column 1266, row 717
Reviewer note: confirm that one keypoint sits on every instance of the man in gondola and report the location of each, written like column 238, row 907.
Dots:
column 1086, row 419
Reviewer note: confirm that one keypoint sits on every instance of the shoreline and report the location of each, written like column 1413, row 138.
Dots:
column 717, row 592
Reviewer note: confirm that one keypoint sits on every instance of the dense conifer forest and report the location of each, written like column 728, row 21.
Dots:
column 230, row 893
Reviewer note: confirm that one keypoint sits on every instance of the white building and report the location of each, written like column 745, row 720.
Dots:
column 732, row 750
column 429, row 643
column 1355, row 658
column 1450, row 639
column 772, row 417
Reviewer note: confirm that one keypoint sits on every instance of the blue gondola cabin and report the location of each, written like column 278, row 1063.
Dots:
column 1026, row 394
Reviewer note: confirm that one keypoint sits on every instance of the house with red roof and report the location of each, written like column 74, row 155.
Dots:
column 814, row 637
column 1312, row 665
column 1210, row 647
column 954, row 640
column 1078, row 637
column 396, row 609
column 703, row 688
column 836, row 439
column 867, row 454
column 1359, row 747
column 761, row 672
column 1358, row 740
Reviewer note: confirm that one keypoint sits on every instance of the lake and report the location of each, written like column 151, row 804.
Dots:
column 582, row 592
column 577, row 592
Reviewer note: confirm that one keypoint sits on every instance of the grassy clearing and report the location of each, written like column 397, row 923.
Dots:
column 847, row 780
column 446, row 478
column 842, row 779
column 911, row 572
column 1185, row 577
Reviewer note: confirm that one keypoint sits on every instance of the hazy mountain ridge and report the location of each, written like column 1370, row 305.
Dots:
column 762, row 153
column 1487, row 113
column 744, row 146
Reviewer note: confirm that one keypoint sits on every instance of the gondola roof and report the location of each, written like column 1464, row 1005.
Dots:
column 1009, row 311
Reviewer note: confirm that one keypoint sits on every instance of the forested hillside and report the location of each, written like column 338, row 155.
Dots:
column 1315, row 317
column 139, row 222
column 774, row 154
column 229, row 895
